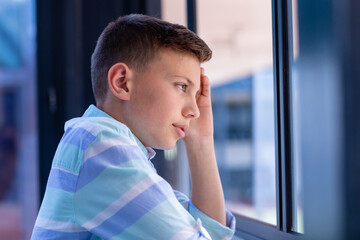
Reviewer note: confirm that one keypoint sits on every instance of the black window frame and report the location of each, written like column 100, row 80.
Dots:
column 282, row 30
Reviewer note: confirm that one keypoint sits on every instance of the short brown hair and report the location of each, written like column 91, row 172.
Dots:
column 135, row 40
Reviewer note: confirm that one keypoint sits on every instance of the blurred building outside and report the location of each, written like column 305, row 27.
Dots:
column 18, row 131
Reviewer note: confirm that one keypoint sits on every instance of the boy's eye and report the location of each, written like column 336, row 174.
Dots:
column 182, row 87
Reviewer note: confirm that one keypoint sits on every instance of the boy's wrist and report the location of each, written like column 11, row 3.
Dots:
column 200, row 149
column 199, row 141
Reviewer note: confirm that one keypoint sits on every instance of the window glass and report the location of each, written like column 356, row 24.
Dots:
column 298, row 190
column 18, row 163
column 11, row 34
column 241, row 72
column 174, row 11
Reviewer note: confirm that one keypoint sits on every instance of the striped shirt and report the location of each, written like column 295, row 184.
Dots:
column 102, row 185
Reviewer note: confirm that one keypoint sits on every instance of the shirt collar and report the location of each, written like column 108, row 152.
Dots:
column 151, row 152
column 93, row 111
column 148, row 151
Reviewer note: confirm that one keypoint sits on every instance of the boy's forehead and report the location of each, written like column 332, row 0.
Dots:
column 180, row 64
column 168, row 53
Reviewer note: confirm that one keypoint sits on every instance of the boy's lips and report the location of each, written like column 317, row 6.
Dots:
column 181, row 129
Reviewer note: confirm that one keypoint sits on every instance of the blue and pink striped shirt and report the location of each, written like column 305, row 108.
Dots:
column 102, row 185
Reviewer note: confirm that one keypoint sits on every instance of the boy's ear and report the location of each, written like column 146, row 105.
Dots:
column 118, row 80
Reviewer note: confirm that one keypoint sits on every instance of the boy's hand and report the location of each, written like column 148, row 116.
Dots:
column 202, row 127
column 206, row 190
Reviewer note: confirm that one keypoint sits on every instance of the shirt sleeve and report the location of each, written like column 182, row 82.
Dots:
column 215, row 229
column 119, row 196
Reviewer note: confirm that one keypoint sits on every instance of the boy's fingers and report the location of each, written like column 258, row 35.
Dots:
column 205, row 85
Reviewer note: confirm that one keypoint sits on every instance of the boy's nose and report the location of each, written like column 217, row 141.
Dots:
column 191, row 110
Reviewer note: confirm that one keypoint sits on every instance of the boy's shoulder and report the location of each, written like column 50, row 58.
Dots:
column 84, row 135
column 94, row 129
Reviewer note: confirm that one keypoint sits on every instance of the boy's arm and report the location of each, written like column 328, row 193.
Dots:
column 207, row 193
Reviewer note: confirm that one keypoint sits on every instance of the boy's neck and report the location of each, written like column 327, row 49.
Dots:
column 113, row 109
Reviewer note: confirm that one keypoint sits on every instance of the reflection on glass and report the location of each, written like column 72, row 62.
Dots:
column 9, row 226
column 240, row 35
column 298, row 191
column 11, row 33
column 18, row 163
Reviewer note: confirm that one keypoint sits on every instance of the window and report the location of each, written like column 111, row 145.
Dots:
column 18, row 163
column 255, row 110
column 243, row 103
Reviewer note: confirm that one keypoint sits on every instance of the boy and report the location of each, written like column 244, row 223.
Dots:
column 150, row 91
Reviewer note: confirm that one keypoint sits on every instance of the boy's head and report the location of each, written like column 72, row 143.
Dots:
column 136, row 41
column 146, row 74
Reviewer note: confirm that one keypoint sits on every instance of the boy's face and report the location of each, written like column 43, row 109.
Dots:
column 163, row 99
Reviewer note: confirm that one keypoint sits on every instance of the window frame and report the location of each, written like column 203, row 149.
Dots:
column 248, row 228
